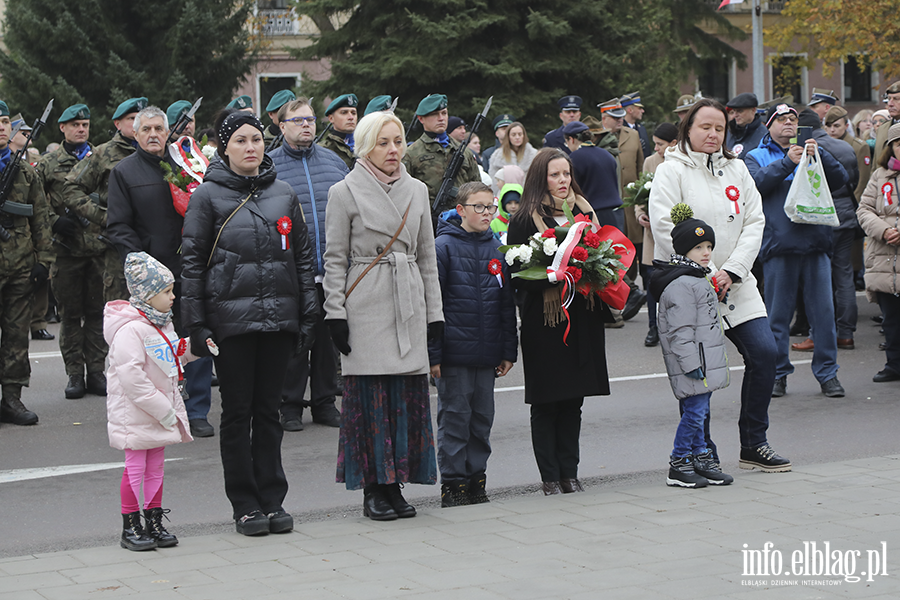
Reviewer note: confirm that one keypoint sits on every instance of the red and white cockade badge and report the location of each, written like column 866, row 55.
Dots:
column 284, row 228
column 495, row 268
column 734, row 195
column 887, row 189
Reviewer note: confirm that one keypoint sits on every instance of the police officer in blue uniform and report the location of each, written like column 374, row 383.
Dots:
column 569, row 111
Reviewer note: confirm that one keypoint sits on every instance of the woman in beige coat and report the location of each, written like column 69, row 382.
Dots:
column 880, row 218
column 382, row 299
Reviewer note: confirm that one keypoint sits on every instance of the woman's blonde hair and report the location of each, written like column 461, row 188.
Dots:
column 507, row 146
column 366, row 134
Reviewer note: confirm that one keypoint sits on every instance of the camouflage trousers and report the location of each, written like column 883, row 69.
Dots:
column 15, row 304
column 78, row 285
column 114, row 287
column 40, row 305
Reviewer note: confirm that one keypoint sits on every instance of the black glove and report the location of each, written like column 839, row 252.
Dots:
column 198, row 341
column 39, row 274
column 435, row 330
column 340, row 335
column 306, row 339
column 65, row 226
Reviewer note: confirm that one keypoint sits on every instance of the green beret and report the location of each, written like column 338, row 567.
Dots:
column 176, row 109
column 76, row 111
column 241, row 102
column 378, row 103
column 4, row 109
column 279, row 100
column 132, row 105
column 431, row 103
column 349, row 100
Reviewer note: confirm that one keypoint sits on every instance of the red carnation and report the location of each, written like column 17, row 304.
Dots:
column 549, row 233
column 592, row 239
column 576, row 273
column 580, row 253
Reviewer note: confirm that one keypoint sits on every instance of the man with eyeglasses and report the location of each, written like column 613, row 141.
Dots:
column 793, row 252
column 311, row 170
column 341, row 113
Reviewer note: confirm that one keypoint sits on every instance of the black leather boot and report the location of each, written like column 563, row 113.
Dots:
column 477, row 495
column 403, row 508
column 75, row 388
column 156, row 530
column 11, row 408
column 133, row 535
column 96, row 383
column 375, row 505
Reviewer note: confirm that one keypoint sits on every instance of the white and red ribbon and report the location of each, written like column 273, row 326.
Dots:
column 734, row 195
column 495, row 268
column 558, row 271
column 283, row 225
column 887, row 189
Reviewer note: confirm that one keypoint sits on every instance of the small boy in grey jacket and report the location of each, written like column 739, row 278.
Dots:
column 693, row 345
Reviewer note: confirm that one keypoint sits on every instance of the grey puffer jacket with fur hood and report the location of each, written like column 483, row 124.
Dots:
column 690, row 329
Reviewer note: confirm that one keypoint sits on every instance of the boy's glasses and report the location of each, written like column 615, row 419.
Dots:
column 480, row 208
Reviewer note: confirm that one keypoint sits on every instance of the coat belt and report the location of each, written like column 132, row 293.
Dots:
column 403, row 302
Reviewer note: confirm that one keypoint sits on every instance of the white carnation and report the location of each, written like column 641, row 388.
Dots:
column 209, row 151
column 630, row 186
column 525, row 254
column 647, row 185
column 512, row 254
column 550, row 246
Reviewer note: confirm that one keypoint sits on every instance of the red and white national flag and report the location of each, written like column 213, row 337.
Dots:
column 727, row 2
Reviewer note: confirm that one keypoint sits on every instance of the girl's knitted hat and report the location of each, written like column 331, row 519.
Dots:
column 146, row 276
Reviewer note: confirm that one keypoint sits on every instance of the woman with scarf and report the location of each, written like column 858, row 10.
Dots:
column 382, row 300
column 248, row 284
column 558, row 374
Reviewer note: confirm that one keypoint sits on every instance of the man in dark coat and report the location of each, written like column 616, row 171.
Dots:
column 501, row 124
column 142, row 218
column 745, row 129
column 569, row 110
column 311, row 170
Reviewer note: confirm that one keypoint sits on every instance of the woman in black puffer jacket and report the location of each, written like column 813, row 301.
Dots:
column 248, row 282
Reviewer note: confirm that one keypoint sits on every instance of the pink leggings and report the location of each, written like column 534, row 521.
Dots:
column 146, row 466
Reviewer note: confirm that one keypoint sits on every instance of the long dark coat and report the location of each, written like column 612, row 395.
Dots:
column 553, row 370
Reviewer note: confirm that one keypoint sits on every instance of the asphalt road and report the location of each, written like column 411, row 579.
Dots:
column 59, row 480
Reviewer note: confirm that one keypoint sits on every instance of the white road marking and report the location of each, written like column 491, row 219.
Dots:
column 519, row 388
column 34, row 355
column 41, row 472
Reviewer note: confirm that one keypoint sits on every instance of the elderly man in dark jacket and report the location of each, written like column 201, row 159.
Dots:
column 142, row 218
column 746, row 128
column 792, row 252
column 845, row 309
column 311, row 170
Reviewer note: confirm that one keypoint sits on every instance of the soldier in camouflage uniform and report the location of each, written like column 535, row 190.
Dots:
column 86, row 188
column 341, row 114
column 25, row 259
column 77, row 275
column 428, row 157
column 272, row 135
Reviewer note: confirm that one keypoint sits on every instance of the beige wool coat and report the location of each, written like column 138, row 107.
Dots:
column 882, row 268
column 631, row 157
column 389, row 309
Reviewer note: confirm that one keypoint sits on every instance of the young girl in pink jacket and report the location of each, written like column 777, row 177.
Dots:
column 144, row 406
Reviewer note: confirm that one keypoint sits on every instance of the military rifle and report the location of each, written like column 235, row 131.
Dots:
column 448, row 189
column 8, row 179
column 182, row 122
column 321, row 135
column 279, row 139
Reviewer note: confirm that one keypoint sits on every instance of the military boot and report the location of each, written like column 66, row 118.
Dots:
column 75, row 388
column 12, row 410
column 96, row 383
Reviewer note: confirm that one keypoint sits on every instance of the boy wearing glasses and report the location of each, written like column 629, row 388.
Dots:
column 479, row 342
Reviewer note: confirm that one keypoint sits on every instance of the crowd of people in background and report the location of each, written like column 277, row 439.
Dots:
column 306, row 261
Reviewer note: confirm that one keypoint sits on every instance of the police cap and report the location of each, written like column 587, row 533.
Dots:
column 132, row 105
column 504, row 120
column 570, row 103
column 76, row 111
column 348, row 100
column 632, row 99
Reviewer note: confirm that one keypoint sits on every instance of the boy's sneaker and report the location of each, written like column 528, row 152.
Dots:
column 765, row 459
column 707, row 466
column 681, row 474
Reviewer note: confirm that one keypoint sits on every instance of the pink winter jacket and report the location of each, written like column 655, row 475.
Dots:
column 139, row 392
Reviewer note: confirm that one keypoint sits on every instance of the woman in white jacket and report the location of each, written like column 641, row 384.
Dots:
column 514, row 150
column 700, row 172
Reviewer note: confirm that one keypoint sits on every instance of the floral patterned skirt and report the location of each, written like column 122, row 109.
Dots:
column 386, row 434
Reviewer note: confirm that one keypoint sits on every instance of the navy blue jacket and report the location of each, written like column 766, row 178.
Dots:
column 479, row 314
column 746, row 138
column 311, row 172
column 556, row 139
column 596, row 175
column 773, row 172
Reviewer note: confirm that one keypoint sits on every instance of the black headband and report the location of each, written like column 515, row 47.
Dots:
column 233, row 122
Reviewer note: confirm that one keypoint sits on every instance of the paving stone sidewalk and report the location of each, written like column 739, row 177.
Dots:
column 643, row 541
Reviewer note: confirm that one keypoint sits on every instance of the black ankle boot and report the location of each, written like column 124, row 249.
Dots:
column 153, row 518
column 133, row 535
column 477, row 495
column 454, row 493
column 403, row 508
column 375, row 505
